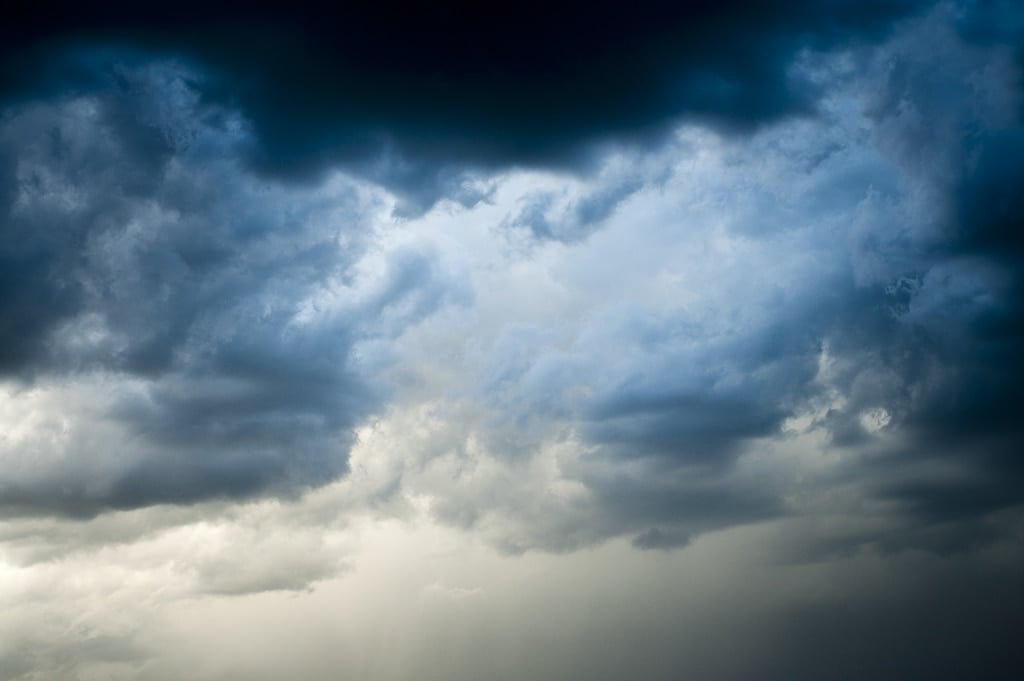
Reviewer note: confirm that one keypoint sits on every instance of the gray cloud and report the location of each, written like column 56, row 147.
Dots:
column 730, row 352
column 548, row 215
column 815, row 296
column 140, row 256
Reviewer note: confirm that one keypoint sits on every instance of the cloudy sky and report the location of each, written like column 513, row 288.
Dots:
column 541, row 341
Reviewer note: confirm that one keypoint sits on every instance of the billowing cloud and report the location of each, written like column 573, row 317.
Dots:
column 220, row 335
column 166, row 301
column 667, row 342
column 757, row 323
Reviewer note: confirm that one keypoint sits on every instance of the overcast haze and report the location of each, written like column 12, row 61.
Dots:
column 540, row 341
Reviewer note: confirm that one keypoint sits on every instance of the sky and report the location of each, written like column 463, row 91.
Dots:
column 513, row 341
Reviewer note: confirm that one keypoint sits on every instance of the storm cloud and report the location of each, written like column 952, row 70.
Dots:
column 708, row 317
column 409, row 94
column 144, row 267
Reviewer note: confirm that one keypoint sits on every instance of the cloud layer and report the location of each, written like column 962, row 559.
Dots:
column 214, row 334
column 702, row 324
column 410, row 94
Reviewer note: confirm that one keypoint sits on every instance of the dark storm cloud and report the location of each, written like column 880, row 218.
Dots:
column 463, row 85
column 138, row 243
column 133, row 246
column 954, row 122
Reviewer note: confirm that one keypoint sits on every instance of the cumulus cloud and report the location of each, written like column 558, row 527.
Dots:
column 165, row 302
column 323, row 338
column 663, row 318
column 814, row 289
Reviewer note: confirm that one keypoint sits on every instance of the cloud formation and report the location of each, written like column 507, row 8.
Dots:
column 811, row 304
column 839, row 271
column 321, row 336
column 410, row 94
column 165, row 300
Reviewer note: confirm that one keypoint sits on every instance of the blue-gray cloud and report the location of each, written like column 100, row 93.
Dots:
column 136, row 247
column 148, row 237
column 869, row 294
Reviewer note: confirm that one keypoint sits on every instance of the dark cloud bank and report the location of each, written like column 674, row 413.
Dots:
column 149, row 161
column 410, row 93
